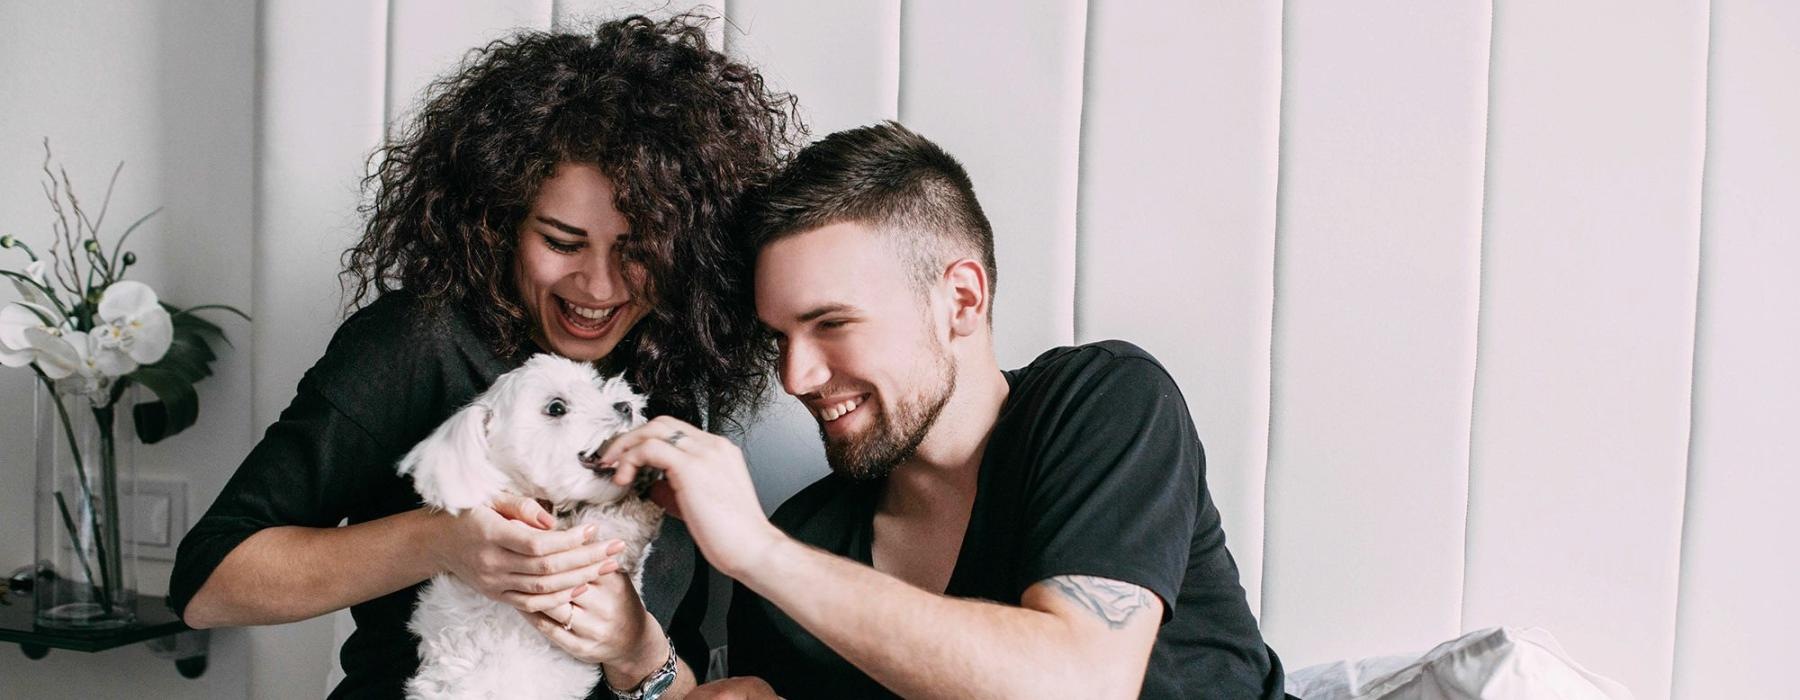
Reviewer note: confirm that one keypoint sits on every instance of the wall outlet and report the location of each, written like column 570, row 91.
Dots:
column 161, row 511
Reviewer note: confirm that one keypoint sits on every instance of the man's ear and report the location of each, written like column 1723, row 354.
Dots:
column 451, row 469
column 966, row 283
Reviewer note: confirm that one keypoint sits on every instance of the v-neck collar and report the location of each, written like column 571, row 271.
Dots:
column 864, row 546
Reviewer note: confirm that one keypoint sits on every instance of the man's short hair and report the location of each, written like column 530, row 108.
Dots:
column 886, row 177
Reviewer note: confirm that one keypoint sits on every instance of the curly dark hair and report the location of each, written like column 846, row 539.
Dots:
column 682, row 132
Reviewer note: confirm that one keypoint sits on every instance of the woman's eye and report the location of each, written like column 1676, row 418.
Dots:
column 832, row 325
column 556, row 409
column 560, row 246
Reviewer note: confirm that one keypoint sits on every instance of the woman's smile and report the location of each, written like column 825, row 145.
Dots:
column 572, row 273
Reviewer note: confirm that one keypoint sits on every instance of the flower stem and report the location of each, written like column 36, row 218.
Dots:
column 100, row 543
column 109, row 488
column 75, row 542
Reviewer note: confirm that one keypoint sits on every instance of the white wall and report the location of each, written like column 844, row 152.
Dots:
column 169, row 88
column 1483, row 310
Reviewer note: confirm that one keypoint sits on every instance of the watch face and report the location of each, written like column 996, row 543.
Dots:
column 653, row 687
column 656, row 686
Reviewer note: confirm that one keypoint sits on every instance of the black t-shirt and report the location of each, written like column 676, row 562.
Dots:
column 1093, row 468
column 390, row 375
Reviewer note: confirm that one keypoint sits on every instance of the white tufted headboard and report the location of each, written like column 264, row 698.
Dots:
column 1486, row 312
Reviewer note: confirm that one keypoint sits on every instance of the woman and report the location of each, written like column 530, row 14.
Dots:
column 563, row 193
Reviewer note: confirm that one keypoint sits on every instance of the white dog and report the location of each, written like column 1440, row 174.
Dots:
column 536, row 432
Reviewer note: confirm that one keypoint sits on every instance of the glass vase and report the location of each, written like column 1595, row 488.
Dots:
column 86, row 558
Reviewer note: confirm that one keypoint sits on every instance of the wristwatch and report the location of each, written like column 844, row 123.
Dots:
column 653, row 685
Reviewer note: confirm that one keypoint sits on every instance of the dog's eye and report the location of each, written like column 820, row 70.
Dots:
column 556, row 409
column 623, row 408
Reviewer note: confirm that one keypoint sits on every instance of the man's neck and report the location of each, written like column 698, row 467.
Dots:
column 942, row 471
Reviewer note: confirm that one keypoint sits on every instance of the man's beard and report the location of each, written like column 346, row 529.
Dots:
column 894, row 437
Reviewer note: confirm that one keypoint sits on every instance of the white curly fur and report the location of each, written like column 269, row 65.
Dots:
column 508, row 442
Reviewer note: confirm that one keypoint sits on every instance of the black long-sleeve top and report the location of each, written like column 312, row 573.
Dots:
column 390, row 375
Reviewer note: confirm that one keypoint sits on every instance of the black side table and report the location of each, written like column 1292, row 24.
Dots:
column 156, row 625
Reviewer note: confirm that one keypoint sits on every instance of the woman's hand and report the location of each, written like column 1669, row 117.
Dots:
column 509, row 553
column 606, row 624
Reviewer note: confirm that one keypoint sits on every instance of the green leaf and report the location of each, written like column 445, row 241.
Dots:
column 172, row 378
column 196, row 338
column 195, row 324
column 183, row 364
column 176, row 409
column 221, row 307
column 188, row 355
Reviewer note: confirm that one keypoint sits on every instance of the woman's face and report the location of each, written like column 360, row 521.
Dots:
column 570, row 274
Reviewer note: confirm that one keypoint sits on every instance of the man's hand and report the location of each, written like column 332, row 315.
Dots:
column 509, row 553
column 740, row 688
column 708, row 486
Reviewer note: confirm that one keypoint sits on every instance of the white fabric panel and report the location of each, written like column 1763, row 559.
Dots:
column 576, row 15
column 430, row 38
column 1587, row 329
column 998, row 85
column 321, row 116
column 843, row 62
column 841, row 59
column 1177, row 223
column 1374, row 334
column 1738, row 615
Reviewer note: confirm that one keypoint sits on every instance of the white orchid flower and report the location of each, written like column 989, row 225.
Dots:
column 39, row 272
column 64, row 353
column 16, row 358
column 61, row 352
column 134, row 329
column 15, row 351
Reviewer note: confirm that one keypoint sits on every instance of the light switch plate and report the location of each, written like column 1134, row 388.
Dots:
column 162, row 518
column 158, row 507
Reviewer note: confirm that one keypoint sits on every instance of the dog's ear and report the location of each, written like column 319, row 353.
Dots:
column 451, row 469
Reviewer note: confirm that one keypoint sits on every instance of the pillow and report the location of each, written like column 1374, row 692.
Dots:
column 1497, row 663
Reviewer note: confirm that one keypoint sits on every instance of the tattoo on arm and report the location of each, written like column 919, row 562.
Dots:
column 1114, row 602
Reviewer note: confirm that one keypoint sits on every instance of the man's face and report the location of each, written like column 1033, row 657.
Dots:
column 861, row 347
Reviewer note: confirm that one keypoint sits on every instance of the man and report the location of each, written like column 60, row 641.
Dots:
column 1043, row 532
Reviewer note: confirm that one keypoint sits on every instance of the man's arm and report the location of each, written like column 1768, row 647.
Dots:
column 1072, row 635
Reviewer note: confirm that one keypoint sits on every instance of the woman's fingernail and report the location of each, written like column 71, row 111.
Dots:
column 579, row 590
column 615, row 547
column 589, row 533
